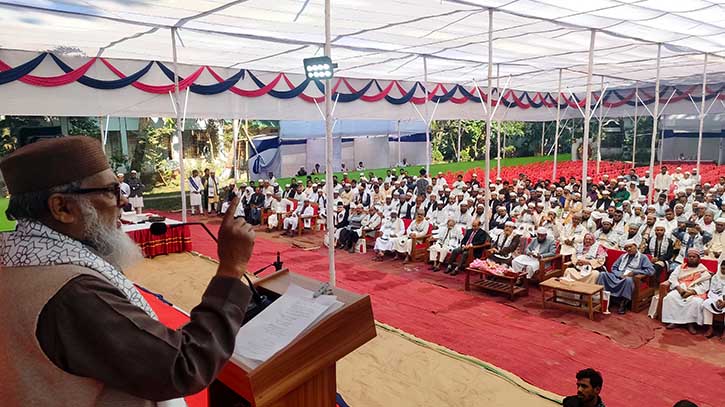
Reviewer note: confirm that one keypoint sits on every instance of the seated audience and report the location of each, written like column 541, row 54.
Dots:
column 661, row 248
column 418, row 228
column 689, row 283
column 505, row 244
column 446, row 239
column 304, row 212
column 391, row 229
column 620, row 280
column 715, row 302
column 475, row 236
column 587, row 261
column 542, row 247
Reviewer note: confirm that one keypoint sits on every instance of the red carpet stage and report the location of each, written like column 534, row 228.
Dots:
column 532, row 344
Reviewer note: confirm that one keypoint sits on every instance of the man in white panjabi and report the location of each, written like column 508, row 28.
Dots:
column 572, row 234
column 277, row 209
column 689, row 283
column 715, row 302
column 417, row 228
column 196, row 188
column 541, row 247
column 304, row 212
column 390, row 230
column 716, row 246
column 447, row 238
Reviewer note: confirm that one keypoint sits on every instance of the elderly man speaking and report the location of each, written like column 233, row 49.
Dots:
column 76, row 331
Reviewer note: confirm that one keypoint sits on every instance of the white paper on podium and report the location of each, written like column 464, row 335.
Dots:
column 280, row 323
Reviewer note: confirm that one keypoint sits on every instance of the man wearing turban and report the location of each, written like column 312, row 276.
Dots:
column 689, row 283
column 76, row 331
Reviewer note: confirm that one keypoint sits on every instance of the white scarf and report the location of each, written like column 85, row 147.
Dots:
column 506, row 241
column 663, row 247
column 591, row 252
column 33, row 244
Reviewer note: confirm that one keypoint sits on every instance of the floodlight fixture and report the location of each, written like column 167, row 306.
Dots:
column 319, row 68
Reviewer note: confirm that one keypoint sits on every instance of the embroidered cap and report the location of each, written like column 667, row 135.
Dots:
column 50, row 163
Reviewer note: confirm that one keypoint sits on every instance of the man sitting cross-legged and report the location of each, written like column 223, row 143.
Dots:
column 475, row 236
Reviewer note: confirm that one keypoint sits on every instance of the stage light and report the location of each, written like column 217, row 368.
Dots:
column 319, row 68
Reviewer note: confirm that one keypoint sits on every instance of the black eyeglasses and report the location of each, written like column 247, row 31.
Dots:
column 113, row 189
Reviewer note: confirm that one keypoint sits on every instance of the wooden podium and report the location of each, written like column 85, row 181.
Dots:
column 303, row 373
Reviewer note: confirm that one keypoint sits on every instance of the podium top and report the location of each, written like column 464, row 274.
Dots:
column 319, row 347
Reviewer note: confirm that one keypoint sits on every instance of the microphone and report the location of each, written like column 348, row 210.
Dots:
column 277, row 266
column 259, row 301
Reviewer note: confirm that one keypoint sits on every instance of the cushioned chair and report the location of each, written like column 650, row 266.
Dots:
column 664, row 288
column 549, row 267
column 313, row 220
column 645, row 287
column 419, row 248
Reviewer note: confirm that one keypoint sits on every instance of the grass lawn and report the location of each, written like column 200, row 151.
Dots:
column 168, row 201
column 5, row 224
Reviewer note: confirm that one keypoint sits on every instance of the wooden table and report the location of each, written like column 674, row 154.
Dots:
column 585, row 291
column 505, row 284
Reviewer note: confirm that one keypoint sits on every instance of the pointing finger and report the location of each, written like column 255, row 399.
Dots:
column 229, row 216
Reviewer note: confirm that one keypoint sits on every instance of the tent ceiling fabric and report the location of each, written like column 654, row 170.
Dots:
column 388, row 39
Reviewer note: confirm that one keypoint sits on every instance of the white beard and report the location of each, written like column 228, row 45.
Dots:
column 110, row 243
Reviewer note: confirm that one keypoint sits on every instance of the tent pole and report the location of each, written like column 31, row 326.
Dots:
column 428, row 151
column 587, row 116
column 558, row 122
column 179, row 135
column 328, row 158
column 601, row 118
column 662, row 141
column 235, row 142
column 459, row 140
column 655, row 113
column 489, row 117
column 498, row 128
column 636, row 119
column 702, row 113
column 399, row 145
column 543, row 132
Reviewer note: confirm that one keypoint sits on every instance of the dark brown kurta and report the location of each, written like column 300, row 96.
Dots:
column 90, row 329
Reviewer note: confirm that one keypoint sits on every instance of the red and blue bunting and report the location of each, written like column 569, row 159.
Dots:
column 372, row 91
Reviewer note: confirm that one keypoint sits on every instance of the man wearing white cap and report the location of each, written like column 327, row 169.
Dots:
column 446, row 240
column 660, row 247
column 571, row 235
column 606, row 235
column 541, row 247
column 277, row 210
column 135, row 197
column 716, row 246
column 305, row 212
column 619, row 281
column 663, row 180
column 689, row 284
column 505, row 244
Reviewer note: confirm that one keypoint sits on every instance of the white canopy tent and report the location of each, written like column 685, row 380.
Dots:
column 549, row 50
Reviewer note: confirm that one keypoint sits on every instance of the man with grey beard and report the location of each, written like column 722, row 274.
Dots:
column 76, row 331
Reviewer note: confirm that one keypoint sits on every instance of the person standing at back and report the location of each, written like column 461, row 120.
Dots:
column 135, row 197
